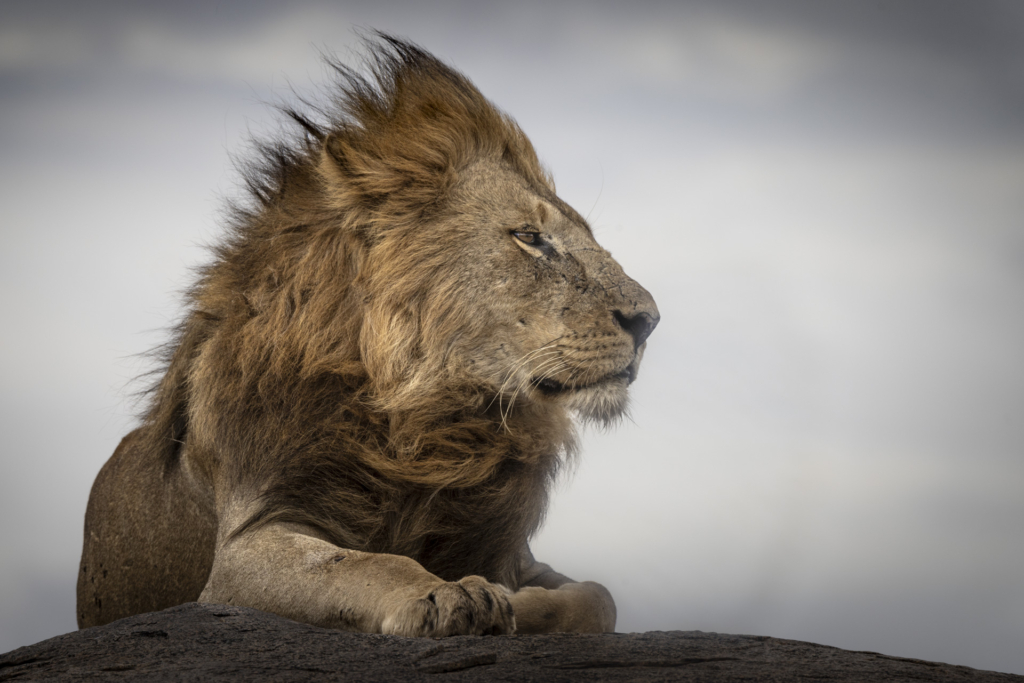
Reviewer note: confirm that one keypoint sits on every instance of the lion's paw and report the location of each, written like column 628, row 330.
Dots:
column 471, row 606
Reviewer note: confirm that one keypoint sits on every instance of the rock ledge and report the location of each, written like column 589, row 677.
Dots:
column 221, row 643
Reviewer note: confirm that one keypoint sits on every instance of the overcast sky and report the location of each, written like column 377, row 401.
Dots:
column 826, row 200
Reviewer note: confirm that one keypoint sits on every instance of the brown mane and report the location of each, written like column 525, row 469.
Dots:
column 311, row 368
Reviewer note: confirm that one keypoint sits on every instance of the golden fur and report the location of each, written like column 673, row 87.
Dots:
column 384, row 355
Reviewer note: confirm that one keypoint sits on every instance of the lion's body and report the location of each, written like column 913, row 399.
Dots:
column 149, row 542
column 366, row 404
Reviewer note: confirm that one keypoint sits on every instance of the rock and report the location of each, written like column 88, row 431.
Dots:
column 221, row 643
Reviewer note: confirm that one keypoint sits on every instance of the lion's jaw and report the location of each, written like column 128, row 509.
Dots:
column 603, row 400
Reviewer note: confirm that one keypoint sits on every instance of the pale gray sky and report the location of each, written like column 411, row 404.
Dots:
column 826, row 200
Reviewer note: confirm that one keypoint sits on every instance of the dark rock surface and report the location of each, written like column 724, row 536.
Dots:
column 216, row 643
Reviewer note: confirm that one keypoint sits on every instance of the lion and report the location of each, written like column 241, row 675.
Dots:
column 376, row 380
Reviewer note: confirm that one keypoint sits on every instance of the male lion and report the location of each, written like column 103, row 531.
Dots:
column 371, row 392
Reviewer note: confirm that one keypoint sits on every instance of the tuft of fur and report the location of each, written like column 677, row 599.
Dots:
column 311, row 369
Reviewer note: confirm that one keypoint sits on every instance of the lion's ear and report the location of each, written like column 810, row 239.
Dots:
column 332, row 162
column 409, row 176
column 344, row 171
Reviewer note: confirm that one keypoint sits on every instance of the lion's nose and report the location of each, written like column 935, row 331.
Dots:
column 639, row 325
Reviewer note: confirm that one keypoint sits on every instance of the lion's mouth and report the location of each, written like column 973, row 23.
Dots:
column 552, row 387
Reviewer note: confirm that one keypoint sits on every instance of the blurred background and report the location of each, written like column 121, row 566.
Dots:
column 826, row 200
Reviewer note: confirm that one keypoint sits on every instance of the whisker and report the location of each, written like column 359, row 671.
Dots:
column 547, row 349
column 516, row 366
column 556, row 363
column 525, row 381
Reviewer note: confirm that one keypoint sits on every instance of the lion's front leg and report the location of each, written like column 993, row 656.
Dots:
column 549, row 602
column 288, row 570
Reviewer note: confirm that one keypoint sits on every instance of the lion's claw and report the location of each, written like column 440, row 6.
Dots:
column 472, row 606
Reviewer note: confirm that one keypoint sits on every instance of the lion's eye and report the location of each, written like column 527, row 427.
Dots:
column 531, row 238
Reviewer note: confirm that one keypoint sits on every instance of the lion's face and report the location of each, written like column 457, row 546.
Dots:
column 541, row 312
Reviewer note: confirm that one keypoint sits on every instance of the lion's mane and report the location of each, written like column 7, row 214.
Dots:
column 308, row 368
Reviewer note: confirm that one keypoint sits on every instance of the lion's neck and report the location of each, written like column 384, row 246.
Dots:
column 460, row 490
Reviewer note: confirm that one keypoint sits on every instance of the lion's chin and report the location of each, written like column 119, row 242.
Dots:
column 604, row 402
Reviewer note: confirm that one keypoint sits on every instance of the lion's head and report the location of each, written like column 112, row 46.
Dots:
column 477, row 274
